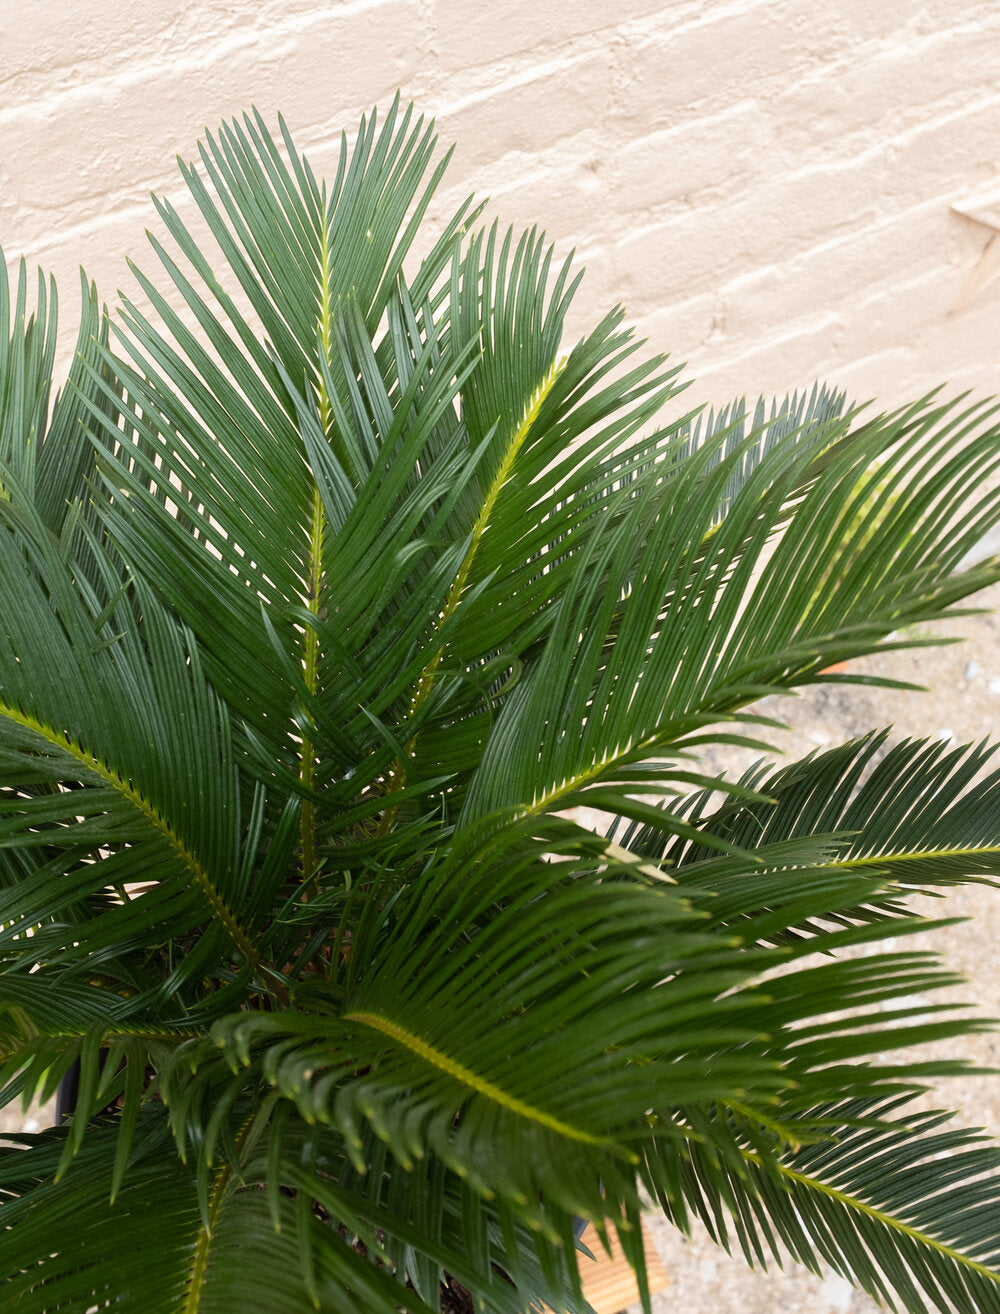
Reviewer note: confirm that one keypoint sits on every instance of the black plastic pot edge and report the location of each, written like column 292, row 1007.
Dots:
column 68, row 1093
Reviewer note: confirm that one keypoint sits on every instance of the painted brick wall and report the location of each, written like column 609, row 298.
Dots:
column 766, row 184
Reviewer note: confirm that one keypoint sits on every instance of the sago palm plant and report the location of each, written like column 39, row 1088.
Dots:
column 332, row 586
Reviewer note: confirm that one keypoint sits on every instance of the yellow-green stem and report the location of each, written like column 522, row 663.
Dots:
column 444, row 1063
column 310, row 661
column 199, row 1261
column 458, row 584
column 482, row 521
column 888, row 1220
column 310, row 665
column 127, row 790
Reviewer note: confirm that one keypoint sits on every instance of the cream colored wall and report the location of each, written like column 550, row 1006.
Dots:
column 766, row 184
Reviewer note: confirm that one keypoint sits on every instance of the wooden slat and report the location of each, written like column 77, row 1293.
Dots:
column 608, row 1282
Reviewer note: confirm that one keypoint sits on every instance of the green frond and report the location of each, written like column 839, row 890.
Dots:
column 895, row 1200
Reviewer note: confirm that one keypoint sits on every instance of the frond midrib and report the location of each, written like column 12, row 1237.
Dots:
column 917, row 855
column 317, row 527
column 199, row 1260
column 500, row 478
column 109, row 776
column 481, row 1085
column 881, row 1216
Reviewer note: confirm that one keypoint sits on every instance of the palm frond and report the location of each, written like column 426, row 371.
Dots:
column 118, row 770
column 683, row 657
column 915, row 816
column 895, row 1200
